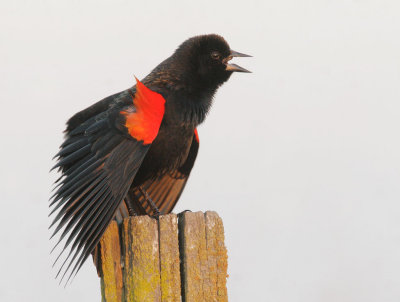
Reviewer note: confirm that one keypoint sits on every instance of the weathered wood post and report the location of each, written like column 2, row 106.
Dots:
column 175, row 257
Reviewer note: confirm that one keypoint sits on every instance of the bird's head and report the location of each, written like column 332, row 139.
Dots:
column 206, row 60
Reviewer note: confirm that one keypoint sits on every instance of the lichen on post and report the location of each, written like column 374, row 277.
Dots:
column 217, row 256
column 141, row 259
column 169, row 258
column 111, row 271
column 165, row 260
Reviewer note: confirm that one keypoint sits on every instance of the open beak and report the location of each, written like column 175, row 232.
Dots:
column 234, row 67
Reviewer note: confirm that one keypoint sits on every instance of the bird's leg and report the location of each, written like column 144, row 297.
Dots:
column 151, row 203
column 131, row 211
column 135, row 208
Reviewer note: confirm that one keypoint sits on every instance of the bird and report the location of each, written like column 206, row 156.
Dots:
column 131, row 153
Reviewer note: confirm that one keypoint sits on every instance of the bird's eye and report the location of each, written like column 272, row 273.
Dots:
column 215, row 55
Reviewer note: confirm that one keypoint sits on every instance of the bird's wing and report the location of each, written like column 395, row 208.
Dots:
column 82, row 116
column 165, row 190
column 99, row 160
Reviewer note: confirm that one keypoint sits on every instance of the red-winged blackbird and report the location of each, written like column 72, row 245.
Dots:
column 131, row 153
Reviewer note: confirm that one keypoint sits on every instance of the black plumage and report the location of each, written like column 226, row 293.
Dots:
column 109, row 173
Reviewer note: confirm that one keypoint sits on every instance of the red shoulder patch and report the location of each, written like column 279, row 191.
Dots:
column 196, row 135
column 144, row 123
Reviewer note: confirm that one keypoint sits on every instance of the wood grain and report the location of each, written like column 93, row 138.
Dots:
column 169, row 258
column 141, row 259
column 111, row 271
column 217, row 257
column 172, row 259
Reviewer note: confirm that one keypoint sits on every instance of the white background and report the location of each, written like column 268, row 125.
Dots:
column 300, row 158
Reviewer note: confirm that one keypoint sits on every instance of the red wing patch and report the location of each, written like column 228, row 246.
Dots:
column 196, row 135
column 144, row 123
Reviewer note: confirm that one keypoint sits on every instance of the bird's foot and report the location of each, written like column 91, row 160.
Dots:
column 156, row 212
column 156, row 215
column 184, row 212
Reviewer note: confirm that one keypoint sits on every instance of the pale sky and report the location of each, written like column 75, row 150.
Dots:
column 301, row 158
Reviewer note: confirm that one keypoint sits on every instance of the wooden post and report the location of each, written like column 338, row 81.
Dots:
column 110, row 257
column 174, row 258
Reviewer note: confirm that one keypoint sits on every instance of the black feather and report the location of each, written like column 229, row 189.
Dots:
column 73, row 157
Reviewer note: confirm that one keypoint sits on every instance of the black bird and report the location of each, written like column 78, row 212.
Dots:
column 132, row 152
